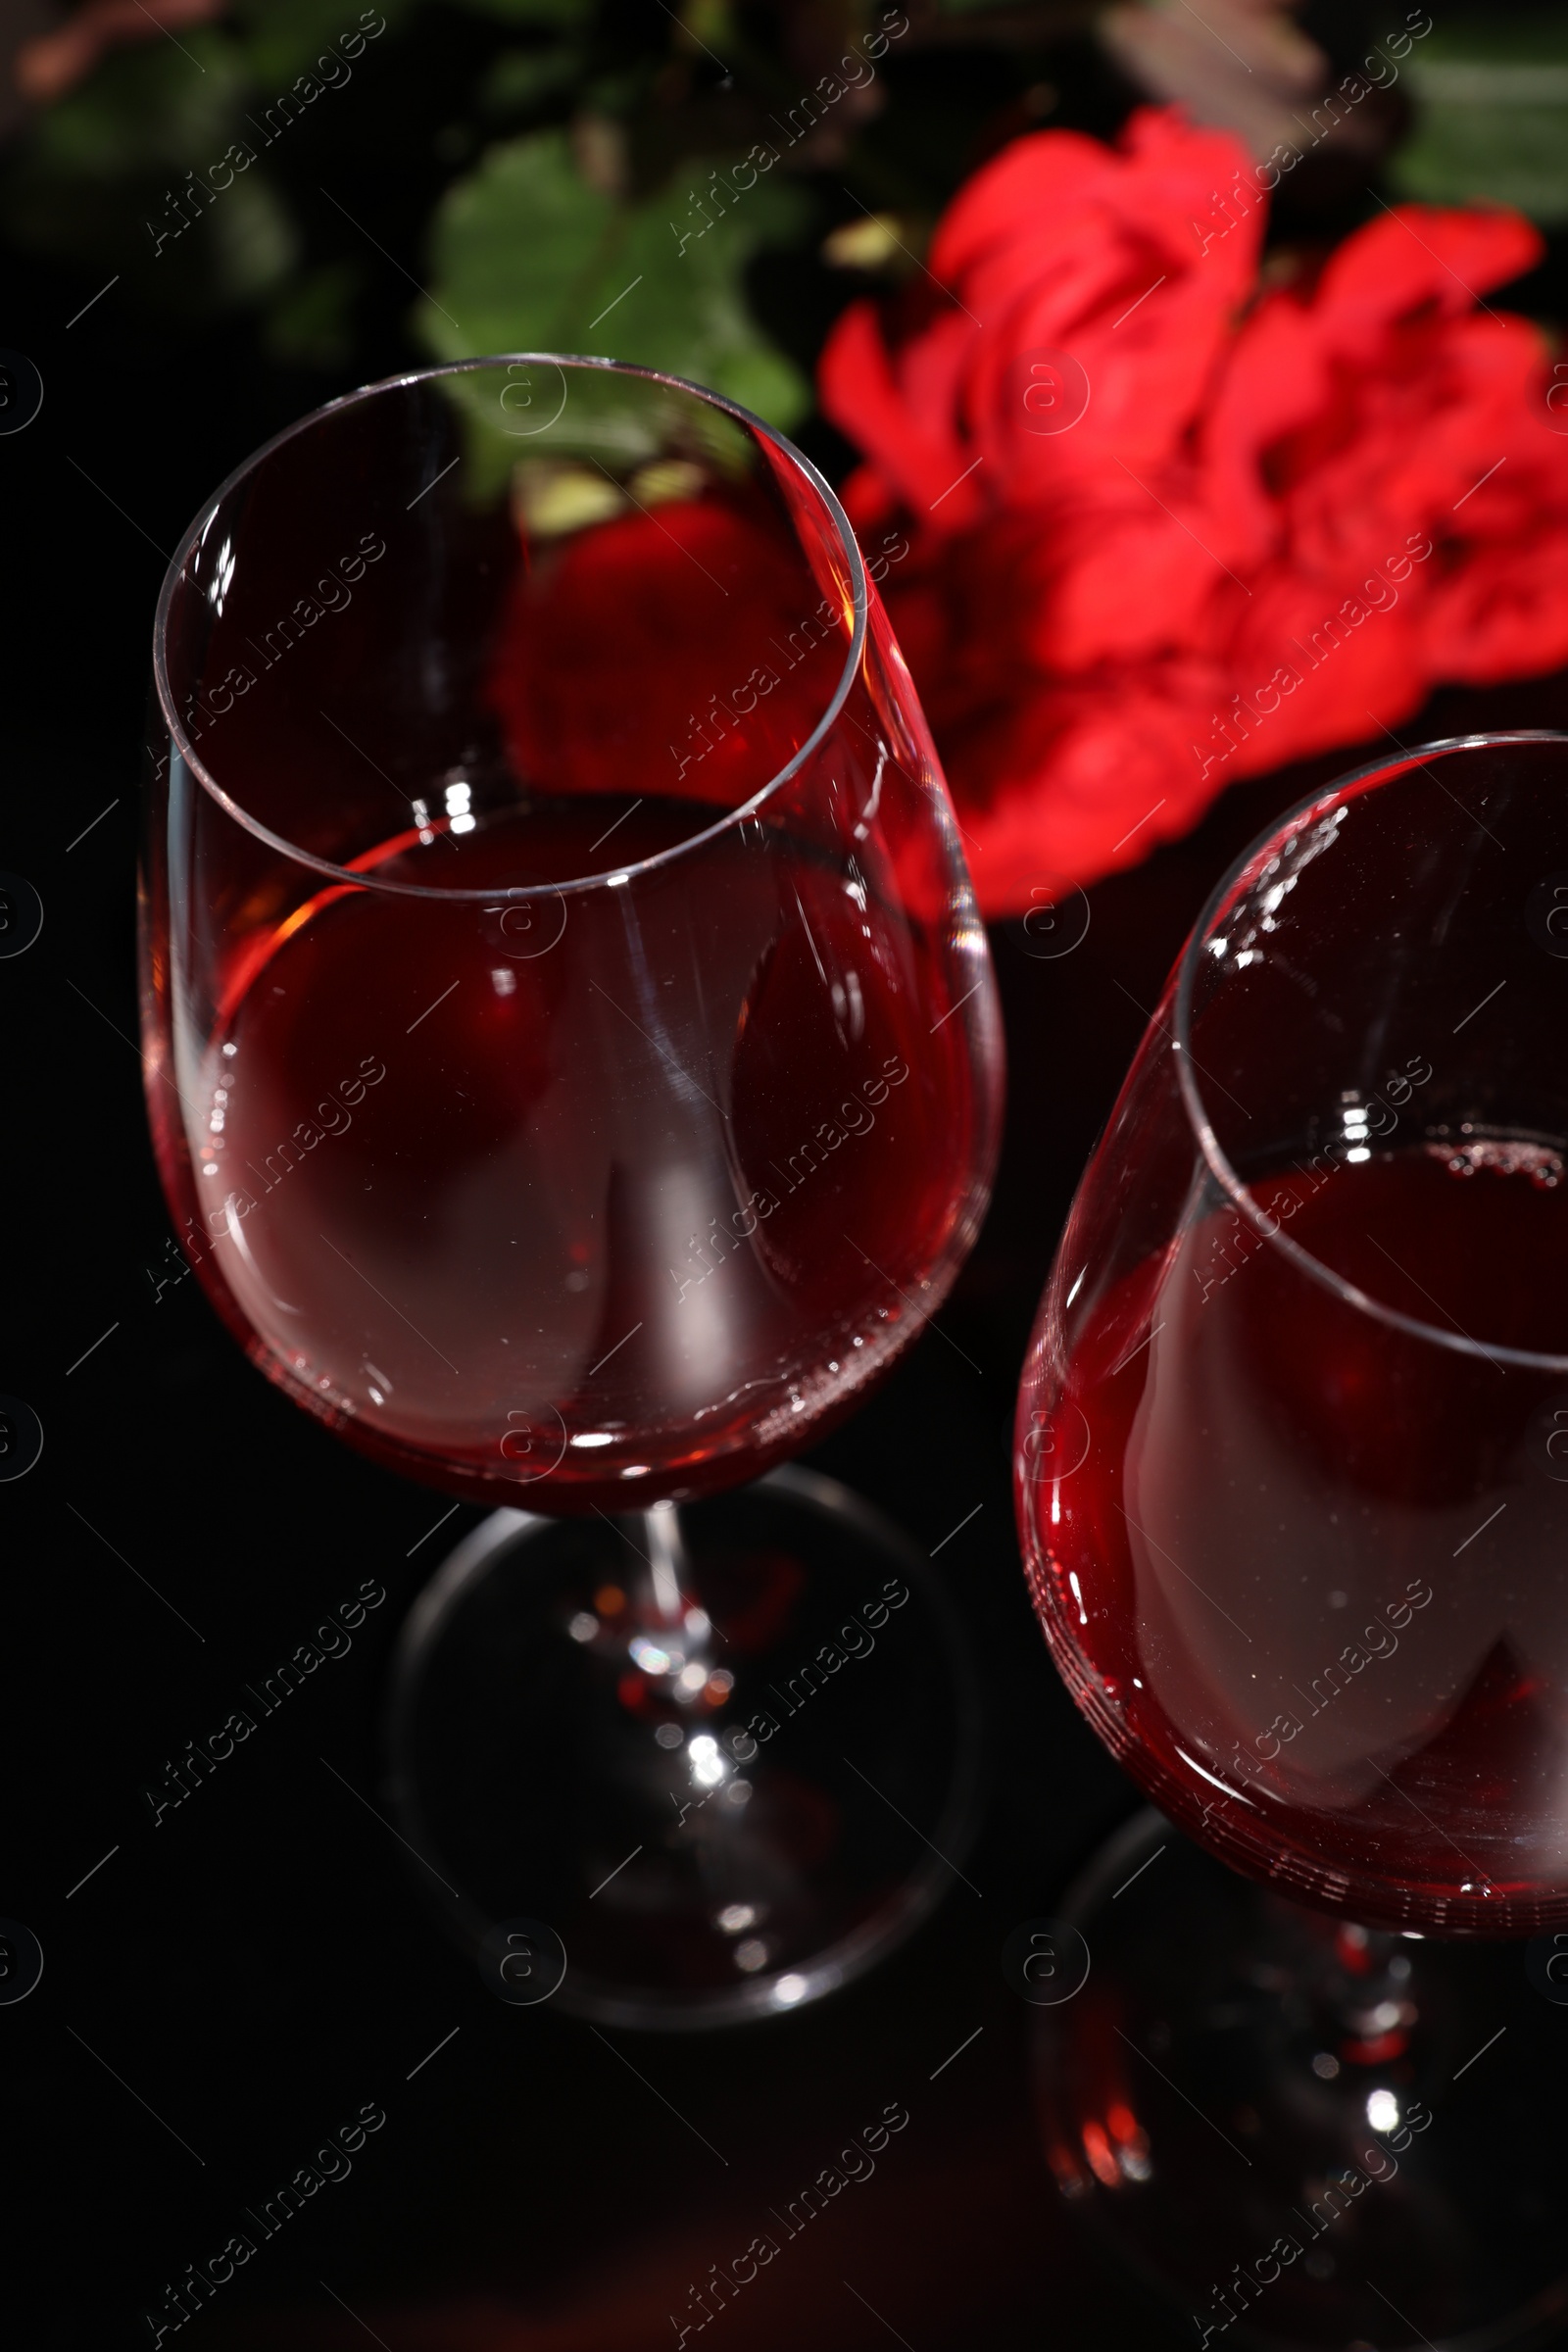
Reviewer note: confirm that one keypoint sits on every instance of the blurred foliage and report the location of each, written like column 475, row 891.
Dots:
column 280, row 38
column 529, row 256
column 550, row 16
column 446, row 178
column 103, row 174
column 1493, row 93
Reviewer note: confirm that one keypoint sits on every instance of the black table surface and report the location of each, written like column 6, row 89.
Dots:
column 229, row 1987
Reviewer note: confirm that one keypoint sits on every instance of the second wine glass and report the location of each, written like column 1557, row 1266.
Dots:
column 1291, row 1479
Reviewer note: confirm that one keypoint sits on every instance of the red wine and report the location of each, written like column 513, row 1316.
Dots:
column 582, row 1202
column 1301, row 1563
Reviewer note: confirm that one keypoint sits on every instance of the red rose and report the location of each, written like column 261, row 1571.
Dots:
column 1280, row 519
column 664, row 651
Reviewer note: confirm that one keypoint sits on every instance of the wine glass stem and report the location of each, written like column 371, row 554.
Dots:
column 668, row 1567
column 1357, row 1978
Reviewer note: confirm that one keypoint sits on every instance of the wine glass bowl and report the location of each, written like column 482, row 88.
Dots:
column 572, row 1049
column 1290, row 1458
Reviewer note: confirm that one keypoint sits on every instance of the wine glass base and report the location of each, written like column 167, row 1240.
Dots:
column 703, row 1855
column 1298, row 2134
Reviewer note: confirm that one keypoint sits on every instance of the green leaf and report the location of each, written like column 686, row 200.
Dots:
column 515, row 245
column 1491, row 119
column 528, row 257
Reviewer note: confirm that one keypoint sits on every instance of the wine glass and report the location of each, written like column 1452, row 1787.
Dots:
column 1290, row 1458
column 573, row 1065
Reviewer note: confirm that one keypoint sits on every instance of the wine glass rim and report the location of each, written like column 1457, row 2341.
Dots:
column 740, row 815
column 1240, row 876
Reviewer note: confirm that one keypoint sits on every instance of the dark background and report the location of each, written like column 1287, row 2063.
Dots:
column 233, row 1984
